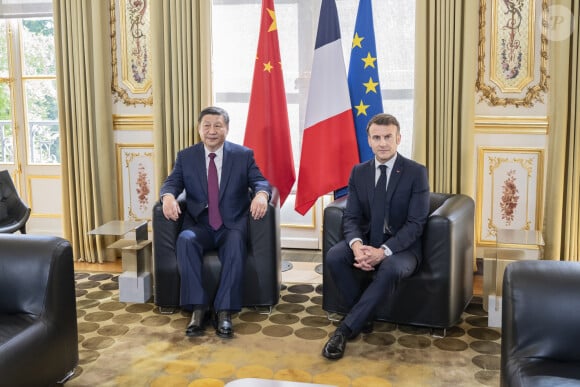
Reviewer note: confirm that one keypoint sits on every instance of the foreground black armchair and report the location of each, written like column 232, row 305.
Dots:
column 541, row 324
column 438, row 292
column 262, row 274
column 14, row 213
column 38, row 320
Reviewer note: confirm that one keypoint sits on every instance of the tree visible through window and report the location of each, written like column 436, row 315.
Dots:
column 28, row 91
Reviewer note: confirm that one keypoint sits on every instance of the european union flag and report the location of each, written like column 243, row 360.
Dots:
column 363, row 77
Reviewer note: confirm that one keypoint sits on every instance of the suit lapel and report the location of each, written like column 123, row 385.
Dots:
column 395, row 176
column 370, row 171
column 227, row 166
column 201, row 172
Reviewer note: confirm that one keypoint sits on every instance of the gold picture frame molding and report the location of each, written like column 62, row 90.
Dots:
column 482, row 151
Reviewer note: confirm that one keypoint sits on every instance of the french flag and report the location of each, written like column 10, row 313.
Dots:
column 329, row 145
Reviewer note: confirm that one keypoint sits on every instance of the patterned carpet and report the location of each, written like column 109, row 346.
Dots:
column 126, row 344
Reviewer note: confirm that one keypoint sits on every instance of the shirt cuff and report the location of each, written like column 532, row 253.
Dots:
column 353, row 240
column 387, row 250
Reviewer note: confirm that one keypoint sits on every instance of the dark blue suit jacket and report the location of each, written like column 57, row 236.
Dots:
column 407, row 204
column 240, row 174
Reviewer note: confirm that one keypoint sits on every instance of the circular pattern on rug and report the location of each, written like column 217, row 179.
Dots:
column 127, row 318
column 87, row 285
column 98, row 316
column 487, row 362
column 113, row 330
column 290, row 308
column 310, row 333
column 484, row 334
column 112, row 306
column 155, row 321
column 138, row 345
column 301, row 289
column 450, row 344
column 477, row 321
column 98, row 342
column 380, row 339
column 246, row 328
column 315, row 321
column 486, row 347
column 87, row 327
column 100, row 277
column 416, row 342
column 99, row 295
column 253, row 317
column 284, row 318
column 295, row 298
column 316, row 310
column 277, row 330
column 254, row 371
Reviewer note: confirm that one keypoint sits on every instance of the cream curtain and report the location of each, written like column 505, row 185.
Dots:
column 181, row 48
column 84, row 99
column 562, row 219
column 445, row 73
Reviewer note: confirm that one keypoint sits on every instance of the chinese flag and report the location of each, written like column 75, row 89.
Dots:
column 267, row 128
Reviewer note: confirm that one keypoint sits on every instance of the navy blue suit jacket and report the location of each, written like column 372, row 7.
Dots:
column 407, row 204
column 240, row 178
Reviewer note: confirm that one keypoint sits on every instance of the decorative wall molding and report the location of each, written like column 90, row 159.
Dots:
column 132, row 122
column 511, row 125
column 136, row 181
column 131, row 78
column 507, row 44
column 510, row 190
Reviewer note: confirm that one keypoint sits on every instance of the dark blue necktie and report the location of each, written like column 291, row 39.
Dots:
column 215, row 218
column 378, row 209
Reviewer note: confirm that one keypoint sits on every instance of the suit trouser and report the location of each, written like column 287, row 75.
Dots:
column 362, row 302
column 192, row 242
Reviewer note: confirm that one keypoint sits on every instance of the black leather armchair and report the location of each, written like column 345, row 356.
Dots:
column 262, row 273
column 442, row 286
column 540, row 324
column 38, row 319
column 14, row 213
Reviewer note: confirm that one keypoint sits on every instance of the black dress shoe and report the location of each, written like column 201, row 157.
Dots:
column 335, row 346
column 224, row 326
column 196, row 326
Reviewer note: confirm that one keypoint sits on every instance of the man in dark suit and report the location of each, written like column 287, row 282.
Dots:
column 214, row 221
column 383, row 222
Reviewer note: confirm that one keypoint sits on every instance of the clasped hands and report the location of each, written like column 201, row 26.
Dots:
column 367, row 257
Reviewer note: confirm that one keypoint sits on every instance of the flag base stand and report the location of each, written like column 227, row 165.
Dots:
column 285, row 266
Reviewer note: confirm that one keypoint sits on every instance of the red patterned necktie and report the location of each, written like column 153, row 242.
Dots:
column 215, row 218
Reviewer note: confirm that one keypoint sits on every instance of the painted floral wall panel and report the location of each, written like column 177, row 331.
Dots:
column 135, row 163
column 510, row 190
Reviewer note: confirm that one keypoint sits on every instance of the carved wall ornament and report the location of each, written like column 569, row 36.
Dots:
column 131, row 64
column 513, row 52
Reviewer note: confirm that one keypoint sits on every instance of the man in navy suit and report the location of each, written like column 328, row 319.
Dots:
column 220, row 223
column 382, row 230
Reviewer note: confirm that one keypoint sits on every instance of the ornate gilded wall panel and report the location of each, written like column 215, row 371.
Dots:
column 131, row 52
column 513, row 52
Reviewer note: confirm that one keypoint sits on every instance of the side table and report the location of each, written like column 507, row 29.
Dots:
column 135, row 283
column 511, row 245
